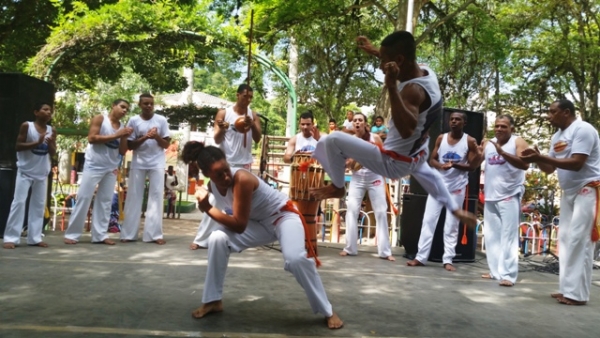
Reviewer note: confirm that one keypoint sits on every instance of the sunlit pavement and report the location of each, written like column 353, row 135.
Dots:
column 145, row 290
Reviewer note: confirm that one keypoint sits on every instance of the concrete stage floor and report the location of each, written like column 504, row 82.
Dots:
column 146, row 290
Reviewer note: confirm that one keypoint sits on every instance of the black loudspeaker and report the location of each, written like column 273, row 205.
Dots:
column 18, row 95
column 464, row 252
column 411, row 219
column 474, row 127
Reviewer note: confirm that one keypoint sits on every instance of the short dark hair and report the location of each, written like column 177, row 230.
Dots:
column 243, row 87
column 400, row 42
column 38, row 105
column 307, row 115
column 378, row 117
column 565, row 104
column 508, row 117
column 117, row 101
column 332, row 120
column 203, row 156
column 462, row 114
column 146, row 95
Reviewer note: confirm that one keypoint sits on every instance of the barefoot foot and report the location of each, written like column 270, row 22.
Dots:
column 334, row 322
column 466, row 218
column 328, row 191
column 569, row 301
column 344, row 253
column 159, row 241
column 8, row 245
column 414, row 262
column 449, row 267
column 195, row 246
column 107, row 241
column 506, row 283
column 487, row 276
column 128, row 240
column 389, row 258
column 70, row 241
column 40, row 244
column 556, row 295
column 212, row 307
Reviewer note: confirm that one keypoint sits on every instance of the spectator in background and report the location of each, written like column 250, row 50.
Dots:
column 332, row 126
column 379, row 128
column 348, row 126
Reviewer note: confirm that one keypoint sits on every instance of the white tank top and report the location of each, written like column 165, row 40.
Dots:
column 103, row 156
column 419, row 140
column 265, row 199
column 35, row 163
column 305, row 144
column 233, row 144
column 502, row 180
column 454, row 179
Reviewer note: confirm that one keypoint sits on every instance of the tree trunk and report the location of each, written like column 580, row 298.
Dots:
column 290, row 128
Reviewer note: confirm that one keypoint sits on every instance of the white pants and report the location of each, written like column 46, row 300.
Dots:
column 290, row 234
column 333, row 150
column 375, row 185
column 207, row 226
column 35, row 217
column 133, row 205
column 102, row 204
column 433, row 210
column 576, row 250
column 501, row 233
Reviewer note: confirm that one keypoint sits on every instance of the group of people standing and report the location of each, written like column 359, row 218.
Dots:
column 147, row 134
column 241, row 211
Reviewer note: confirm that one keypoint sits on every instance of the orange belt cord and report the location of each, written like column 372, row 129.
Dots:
column 289, row 206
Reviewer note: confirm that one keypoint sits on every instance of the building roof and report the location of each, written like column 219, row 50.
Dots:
column 198, row 98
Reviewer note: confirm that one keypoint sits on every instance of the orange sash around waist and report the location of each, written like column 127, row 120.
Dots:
column 289, row 206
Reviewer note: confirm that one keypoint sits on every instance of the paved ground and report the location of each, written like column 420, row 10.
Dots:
column 146, row 290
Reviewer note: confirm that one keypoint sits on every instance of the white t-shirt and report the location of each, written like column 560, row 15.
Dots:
column 454, row 179
column 579, row 138
column 149, row 155
column 348, row 125
column 304, row 144
column 502, row 179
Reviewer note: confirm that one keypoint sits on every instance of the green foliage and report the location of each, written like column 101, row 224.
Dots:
column 154, row 38
column 537, row 182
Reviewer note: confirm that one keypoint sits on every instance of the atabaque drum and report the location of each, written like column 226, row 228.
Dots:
column 306, row 173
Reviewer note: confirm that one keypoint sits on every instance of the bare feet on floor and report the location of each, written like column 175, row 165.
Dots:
column 128, row 240
column 8, row 245
column 569, row 301
column 107, row 241
column 334, row 322
column 487, row 276
column 40, row 244
column 70, row 241
column 414, row 262
column 216, row 306
column 449, row 267
column 344, row 253
column 328, row 191
column 389, row 258
column 507, row 283
column 195, row 246
column 556, row 295
column 160, row 241
column 466, row 218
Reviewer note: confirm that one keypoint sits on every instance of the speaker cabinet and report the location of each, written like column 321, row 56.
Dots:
column 474, row 127
column 18, row 95
column 411, row 221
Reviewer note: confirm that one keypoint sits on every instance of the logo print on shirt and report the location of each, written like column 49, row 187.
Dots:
column 41, row 149
column 451, row 157
column 307, row 148
column 114, row 144
column 377, row 182
column 560, row 146
column 496, row 160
